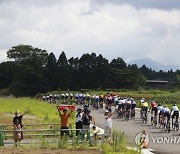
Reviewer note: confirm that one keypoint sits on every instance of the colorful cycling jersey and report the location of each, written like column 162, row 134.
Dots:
column 84, row 95
column 80, row 96
column 101, row 96
column 115, row 99
column 123, row 101
column 62, row 95
column 165, row 110
column 142, row 100
column 133, row 102
column 145, row 104
column 76, row 96
column 174, row 108
column 87, row 95
column 153, row 104
column 71, row 95
column 97, row 98
column 119, row 102
column 128, row 102
column 109, row 98
column 160, row 108
column 67, row 94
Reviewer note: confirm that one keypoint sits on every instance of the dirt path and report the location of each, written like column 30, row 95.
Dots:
column 31, row 150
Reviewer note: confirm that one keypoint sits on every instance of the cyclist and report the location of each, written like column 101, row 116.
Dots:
column 133, row 106
column 101, row 100
column 63, row 98
column 128, row 106
column 175, row 112
column 109, row 101
column 88, row 98
column 115, row 100
column 144, row 108
column 166, row 113
column 96, row 99
column 160, row 108
column 153, row 108
column 142, row 101
column 76, row 97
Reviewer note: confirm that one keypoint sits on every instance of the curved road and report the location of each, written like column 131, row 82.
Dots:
column 132, row 127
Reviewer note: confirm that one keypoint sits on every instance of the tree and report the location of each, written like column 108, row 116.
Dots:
column 63, row 72
column 30, row 64
column 50, row 76
column 26, row 54
column 74, row 73
column 118, row 63
column 7, row 71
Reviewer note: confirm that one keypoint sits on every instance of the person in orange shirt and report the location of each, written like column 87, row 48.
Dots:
column 64, row 122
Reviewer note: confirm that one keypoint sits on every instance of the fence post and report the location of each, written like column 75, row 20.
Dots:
column 88, row 136
column 1, row 140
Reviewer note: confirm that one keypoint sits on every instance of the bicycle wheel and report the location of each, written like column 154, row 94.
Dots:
column 174, row 125
column 160, row 123
column 177, row 125
column 155, row 121
column 165, row 125
column 168, row 127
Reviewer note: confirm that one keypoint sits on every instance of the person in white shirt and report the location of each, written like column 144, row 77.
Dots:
column 108, row 123
column 166, row 112
column 174, row 112
column 160, row 108
column 78, row 120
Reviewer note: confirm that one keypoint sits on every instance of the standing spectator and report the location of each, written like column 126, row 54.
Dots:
column 17, row 132
column 78, row 120
column 86, row 119
column 65, row 122
column 18, row 117
column 108, row 124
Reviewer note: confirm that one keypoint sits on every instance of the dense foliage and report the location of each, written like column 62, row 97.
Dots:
column 32, row 70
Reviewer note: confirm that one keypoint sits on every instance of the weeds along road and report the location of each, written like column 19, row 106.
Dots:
column 132, row 127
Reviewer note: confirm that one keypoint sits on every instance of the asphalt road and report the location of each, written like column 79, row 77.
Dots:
column 132, row 127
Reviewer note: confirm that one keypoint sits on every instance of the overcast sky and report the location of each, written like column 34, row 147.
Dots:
column 129, row 29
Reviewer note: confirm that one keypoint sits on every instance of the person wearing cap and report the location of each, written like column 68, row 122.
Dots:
column 64, row 121
column 108, row 123
column 86, row 120
column 78, row 120
column 18, row 117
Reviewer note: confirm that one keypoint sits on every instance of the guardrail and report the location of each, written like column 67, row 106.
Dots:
column 38, row 133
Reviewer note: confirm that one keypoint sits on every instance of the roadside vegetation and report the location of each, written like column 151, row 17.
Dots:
column 47, row 113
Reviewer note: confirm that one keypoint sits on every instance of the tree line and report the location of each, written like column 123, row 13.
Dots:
column 30, row 71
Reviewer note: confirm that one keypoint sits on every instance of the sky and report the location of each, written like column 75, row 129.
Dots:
column 130, row 29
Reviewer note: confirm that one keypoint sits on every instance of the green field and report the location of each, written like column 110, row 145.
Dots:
column 44, row 111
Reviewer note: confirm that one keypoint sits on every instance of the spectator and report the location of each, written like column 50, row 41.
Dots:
column 17, row 132
column 108, row 123
column 65, row 122
column 78, row 120
column 18, row 118
column 86, row 119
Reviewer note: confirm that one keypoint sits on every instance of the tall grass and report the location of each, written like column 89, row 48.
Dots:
column 47, row 112
column 118, row 144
